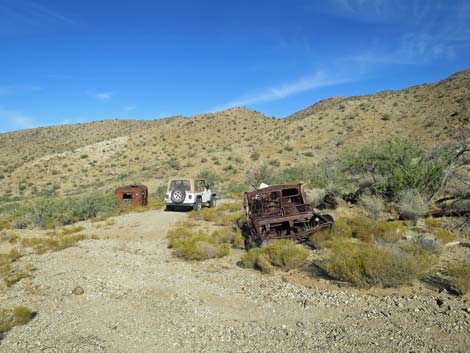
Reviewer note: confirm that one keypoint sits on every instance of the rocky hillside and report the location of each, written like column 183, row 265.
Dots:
column 73, row 159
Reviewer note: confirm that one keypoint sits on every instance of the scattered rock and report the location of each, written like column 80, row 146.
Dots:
column 78, row 290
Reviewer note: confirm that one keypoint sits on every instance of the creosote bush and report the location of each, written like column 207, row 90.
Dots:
column 284, row 254
column 398, row 165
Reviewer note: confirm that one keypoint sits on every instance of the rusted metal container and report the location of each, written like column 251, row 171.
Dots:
column 135, row 195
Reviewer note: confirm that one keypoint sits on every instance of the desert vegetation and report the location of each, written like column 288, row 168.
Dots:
column 19, row 315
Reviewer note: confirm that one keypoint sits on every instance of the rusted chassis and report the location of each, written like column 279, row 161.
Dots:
column 289, row 217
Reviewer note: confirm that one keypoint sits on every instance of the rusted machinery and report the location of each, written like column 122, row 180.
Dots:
column 280, row 212
column 135, row 195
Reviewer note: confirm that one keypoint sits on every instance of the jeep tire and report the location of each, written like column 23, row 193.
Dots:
column 178, row 196
column 212, row 202
column 198, row 204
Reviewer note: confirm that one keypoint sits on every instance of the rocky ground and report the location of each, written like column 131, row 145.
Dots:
column 125, row 292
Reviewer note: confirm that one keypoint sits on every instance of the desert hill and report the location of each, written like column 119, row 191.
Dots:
column 72, row 159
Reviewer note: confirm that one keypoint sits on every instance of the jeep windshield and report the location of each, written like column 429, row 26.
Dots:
column 182, row 184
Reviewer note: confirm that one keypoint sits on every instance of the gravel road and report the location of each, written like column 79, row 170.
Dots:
column 134, row 296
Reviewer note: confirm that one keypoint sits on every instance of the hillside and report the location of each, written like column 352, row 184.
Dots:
column 73, row 159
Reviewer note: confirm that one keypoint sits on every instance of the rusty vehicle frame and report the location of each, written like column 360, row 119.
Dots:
column 280, row 212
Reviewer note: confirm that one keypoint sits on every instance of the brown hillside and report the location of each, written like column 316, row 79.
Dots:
column 72, row 159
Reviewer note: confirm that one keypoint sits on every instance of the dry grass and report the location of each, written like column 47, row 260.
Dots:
column 55, row 242
column 459, row 275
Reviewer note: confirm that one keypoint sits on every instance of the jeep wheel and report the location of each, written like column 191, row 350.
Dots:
column 212, row 202
column 178, row 196
column 197, row 206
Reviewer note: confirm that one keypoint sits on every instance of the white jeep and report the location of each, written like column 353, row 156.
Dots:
column 189, row 193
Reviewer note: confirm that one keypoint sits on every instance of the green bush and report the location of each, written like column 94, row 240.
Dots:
column 210, row 177
column 52, row 212
column 367, row 265
column 284, row 254
column 397, row 165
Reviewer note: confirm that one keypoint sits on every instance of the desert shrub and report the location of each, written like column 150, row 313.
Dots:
column 443, row 235
column 230, row 236
column 197, row 245
column 256, row 175
column 71, row 230
column 432, row 223
column 235, row 189
column 201, row 246
column 231, row 206
column 374, row 205
column 340, row 229
column 206, row 214
column 52, row 212
column 316, row 197
column 398, row 165
column 13, row 277
column 367, row 265
column 210, row 177
column 459, row 275
column 53, row 243
column 255, row 258
column 6, row 221
column 368, row 230
column 228, row 219
column 294, row 175
column 412, row 204
column 386, row 116
column 254, row 156
column 20, row 315
column 437, row 227
column 284, row 254
column 159, row 194
column 361, row 228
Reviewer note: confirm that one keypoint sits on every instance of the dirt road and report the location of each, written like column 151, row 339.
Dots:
column 137, row 297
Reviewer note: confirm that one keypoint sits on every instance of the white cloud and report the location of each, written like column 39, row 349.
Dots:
column 130, row 107
column 305, row 83
column 17, row 119
column 104, row 96
column 41, row 10
column 411, row 49
column 18, row 89
column 30, row 13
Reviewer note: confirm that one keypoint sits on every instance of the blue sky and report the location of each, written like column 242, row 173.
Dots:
column 77, row 61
